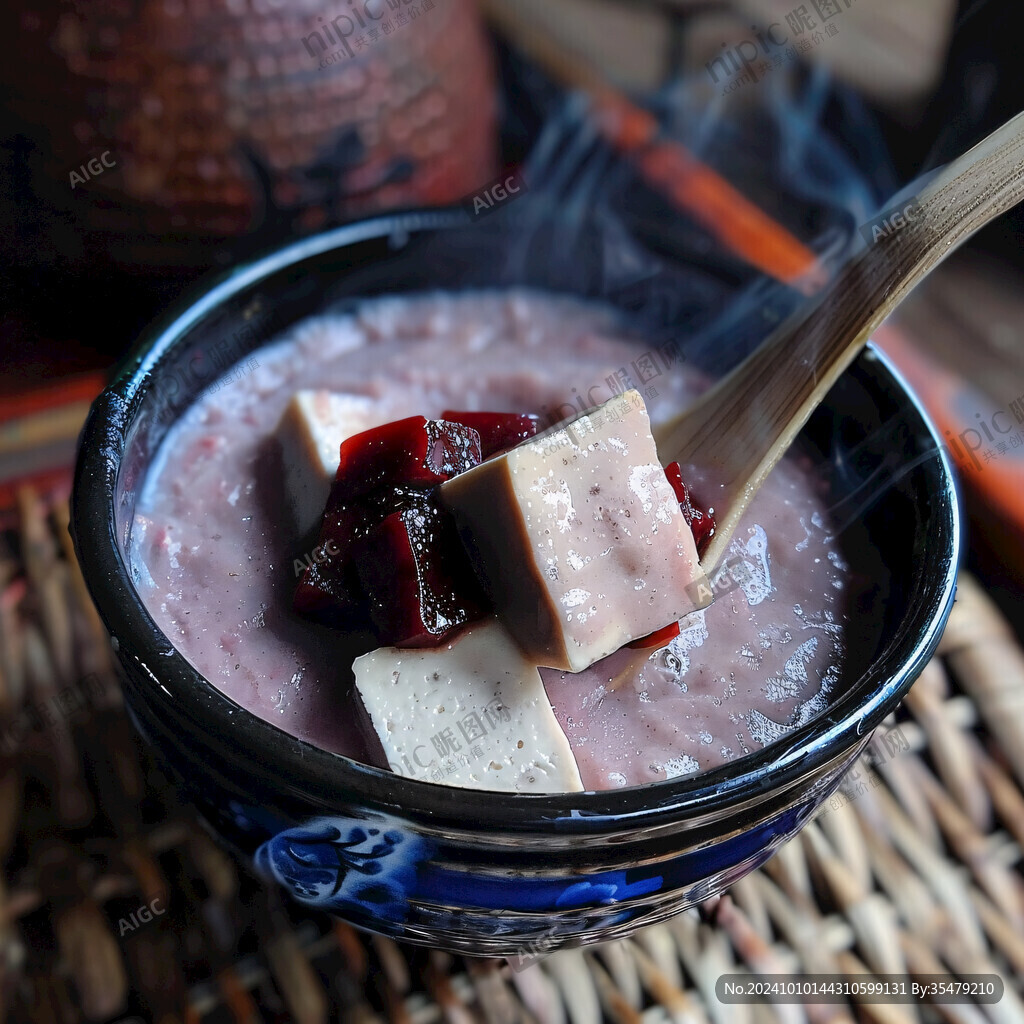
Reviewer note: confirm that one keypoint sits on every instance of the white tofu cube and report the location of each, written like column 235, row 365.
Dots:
column 471, row 713
column 310, row 434
column 578, row 537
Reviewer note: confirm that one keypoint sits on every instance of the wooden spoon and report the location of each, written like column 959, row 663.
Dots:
column 741, row 427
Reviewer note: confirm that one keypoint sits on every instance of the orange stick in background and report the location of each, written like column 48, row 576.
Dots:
column 1000, row 482
column 692, row 186
column 733, row 219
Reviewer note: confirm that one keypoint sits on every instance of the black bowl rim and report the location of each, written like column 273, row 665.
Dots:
column 315, row 774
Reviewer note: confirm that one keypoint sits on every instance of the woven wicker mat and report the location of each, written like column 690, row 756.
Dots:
column 115, row 905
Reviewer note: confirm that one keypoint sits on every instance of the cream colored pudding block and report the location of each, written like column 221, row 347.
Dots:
column 470, row 713
column 578, row 537
column 310, row 434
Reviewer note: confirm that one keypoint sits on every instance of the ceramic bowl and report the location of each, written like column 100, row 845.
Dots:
column 464, row 870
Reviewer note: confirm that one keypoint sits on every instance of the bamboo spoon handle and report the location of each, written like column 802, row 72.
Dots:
column 740, row 428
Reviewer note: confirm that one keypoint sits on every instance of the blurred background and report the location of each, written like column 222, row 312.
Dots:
column 749, row 144
column 144, row 143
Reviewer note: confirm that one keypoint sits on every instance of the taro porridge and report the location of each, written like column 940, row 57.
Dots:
column 561, row 633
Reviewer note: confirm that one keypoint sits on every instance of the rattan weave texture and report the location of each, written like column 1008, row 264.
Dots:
column 115, row 905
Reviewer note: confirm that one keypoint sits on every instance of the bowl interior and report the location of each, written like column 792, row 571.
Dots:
column 889, row 481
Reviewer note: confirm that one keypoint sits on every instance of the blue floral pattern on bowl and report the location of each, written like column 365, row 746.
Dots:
column 375, row 870
column 367, row 865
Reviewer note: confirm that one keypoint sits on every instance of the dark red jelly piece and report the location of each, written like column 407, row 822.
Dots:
column 332, row 596
column 498, row 431
column 659, row 638
column 328, row 589
column 387, row 556
column 416, row 577
column 702, row 523
column 414, row 452
column 674, row 475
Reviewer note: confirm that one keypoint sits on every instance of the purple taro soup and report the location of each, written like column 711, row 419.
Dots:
column 433, row 534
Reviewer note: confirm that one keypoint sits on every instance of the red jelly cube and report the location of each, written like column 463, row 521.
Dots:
column 328, row 589
column 331, row 596
column 418, row 582
column 702, row 524
column 498, row 431
column 414, row 452
column 659, row 638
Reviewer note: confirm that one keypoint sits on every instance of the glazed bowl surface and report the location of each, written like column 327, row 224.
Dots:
column 465, row 870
